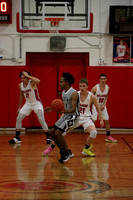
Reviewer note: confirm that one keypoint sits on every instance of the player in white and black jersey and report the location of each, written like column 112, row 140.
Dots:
column 101, row 92
column 67, row 121
column 28, row 90
column 86, row 98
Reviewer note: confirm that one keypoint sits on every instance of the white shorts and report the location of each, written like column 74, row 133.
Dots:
column 95, row 114
column 84, row 122
column 28, row 108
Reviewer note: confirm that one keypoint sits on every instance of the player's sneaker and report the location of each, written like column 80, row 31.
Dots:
column 47, row 151
column 110, row 139
column 65, row 156
column 15, row 141
column 88, row 152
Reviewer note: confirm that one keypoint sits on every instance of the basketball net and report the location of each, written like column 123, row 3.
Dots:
column 54, row 25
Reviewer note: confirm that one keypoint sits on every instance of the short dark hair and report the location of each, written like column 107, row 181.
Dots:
column 84, row 80
column 103, row 75
column 22, row 73
column 68, row 77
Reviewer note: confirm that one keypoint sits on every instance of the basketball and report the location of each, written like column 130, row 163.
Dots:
column 57, row 105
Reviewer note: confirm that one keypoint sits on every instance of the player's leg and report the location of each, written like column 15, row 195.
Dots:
column 90, row 128
column 50, row 148
column 109, row 138
column 24, row 111
column 16, row 139
column 105, row 115
column 68, row 123
column 38, row 109
column 57, row 134
column 61, row 126
column 40, row 116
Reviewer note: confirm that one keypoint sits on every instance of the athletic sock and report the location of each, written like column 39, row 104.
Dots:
column 107, row 133
column 47, row 134
column 87, row 146
column 17, row 134
column 52, row 146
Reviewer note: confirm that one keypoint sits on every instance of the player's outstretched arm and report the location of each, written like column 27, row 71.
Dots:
column 105, row 101
column 94, row 90
column 94, row 101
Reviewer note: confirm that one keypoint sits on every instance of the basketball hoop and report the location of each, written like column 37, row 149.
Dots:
column 54, row 25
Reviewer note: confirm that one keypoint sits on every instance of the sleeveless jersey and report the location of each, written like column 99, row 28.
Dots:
column 31, row 95
column 84, row 107
column 100, row 96
column 121, row 50
column 67, row 99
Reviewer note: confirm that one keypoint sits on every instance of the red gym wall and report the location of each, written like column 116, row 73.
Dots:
column 120, row 106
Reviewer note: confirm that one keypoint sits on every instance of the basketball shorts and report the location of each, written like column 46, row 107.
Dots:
column 28, row 108
column 95, row 114
column 84, row 122
column 66, row 123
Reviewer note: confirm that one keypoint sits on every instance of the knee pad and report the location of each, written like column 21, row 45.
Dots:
column 93, row 134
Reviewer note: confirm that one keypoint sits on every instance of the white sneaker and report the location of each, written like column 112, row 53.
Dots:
column 15, row 141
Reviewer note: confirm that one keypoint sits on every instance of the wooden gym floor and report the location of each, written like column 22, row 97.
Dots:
column 26, row 175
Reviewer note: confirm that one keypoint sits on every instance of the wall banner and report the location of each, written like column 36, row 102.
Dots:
column 121, row 49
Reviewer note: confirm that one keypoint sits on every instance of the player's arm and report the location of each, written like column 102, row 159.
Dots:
column 74, row 103
column 125, row 50
column 94, row 89
column 94, row 101
column 33, row 79
column 21, row 97
column 105, row 101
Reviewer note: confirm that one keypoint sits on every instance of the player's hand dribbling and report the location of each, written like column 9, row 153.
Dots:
column 48, row 109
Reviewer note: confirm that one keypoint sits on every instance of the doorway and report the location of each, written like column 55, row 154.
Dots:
column 48, row 67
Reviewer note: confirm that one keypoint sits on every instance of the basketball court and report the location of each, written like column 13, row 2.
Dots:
column 24, row 173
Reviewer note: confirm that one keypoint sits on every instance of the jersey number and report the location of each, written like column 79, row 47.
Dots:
column 82, row 110
column 101, row 100
column 27, row 95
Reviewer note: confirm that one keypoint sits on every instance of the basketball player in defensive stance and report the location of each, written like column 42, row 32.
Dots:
column 68, row 120
column 86, row 98
column 101, row 92
column 28, row 89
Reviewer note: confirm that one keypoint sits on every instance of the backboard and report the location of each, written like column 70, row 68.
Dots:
column 74, row 16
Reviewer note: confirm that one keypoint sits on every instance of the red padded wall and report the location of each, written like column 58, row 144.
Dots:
column 120, row 81
column 4, row 99
column 10, row 95
column 119, row 105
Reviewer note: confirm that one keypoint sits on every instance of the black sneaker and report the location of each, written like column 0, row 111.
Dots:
column 49, row 141
column 65, row 156
column 15, row 141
